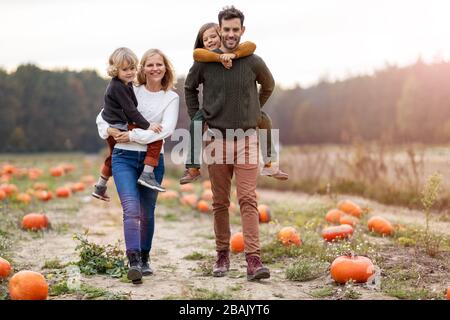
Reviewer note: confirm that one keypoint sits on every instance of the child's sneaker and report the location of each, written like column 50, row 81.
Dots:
column 148, row 180
column 100, row 193
column 275, row 172
column 190, row 175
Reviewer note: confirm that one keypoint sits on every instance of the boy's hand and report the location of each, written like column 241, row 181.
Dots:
column 123, row 137
column 113, row 132
column 156, row 127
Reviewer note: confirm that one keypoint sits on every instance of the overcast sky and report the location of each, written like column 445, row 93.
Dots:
column 300, row 40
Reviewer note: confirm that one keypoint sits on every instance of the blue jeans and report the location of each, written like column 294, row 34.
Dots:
column 138, row 202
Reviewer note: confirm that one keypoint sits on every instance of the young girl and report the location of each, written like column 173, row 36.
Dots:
column 120, row 111
column 208, row 39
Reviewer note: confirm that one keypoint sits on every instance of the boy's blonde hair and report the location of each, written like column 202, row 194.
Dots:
column 168, row 81
column 117, row 59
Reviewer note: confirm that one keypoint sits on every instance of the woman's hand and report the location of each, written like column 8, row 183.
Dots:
column 123, row 137
column 156, row 127
column 113, row 132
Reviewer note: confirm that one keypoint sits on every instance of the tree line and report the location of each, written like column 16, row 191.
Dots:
column 42, row 110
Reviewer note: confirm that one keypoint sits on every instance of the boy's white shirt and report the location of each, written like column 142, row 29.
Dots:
column 161, row 107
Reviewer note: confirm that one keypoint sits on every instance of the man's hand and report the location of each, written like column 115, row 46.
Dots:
column 156, row 127
column 123, row 137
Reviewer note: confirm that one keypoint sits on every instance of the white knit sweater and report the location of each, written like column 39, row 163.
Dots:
column 161, row 107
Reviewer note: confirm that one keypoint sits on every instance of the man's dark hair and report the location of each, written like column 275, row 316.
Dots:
column 229, row 13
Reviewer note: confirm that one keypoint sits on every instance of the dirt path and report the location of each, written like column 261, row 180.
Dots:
column 174, row 239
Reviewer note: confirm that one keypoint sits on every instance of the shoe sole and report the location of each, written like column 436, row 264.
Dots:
column 264, row 273
column 147, row 273
column 189, row 181
column 280, row 177
column 150, row 186
column 97, row 196
column 134, row 275
column 219, row 274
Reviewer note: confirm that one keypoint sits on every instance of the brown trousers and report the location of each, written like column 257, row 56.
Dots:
column 151, row 157
column 246, row 174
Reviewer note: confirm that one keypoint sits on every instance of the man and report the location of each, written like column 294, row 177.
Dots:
column 231, row 101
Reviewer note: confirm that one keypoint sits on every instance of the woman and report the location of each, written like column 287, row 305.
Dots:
column 159, row 105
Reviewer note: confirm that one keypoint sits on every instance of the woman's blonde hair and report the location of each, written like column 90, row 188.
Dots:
column 117, row 59
column 168, row 81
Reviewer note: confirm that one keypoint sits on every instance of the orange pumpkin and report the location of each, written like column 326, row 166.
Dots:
column 232, row 208
column 34, row 173
column 350, row 208
column 2, row 195
column 9, row 189
column 35, row 221
column 187, row 188
column 356, row 268
column 68, row 167
column 23, row 198
column 289, row 236
column 237, row 242
column 40, row 186
column 343, row 231
column 348, row 219
column 380, row 225
column 44, row 195
column 78, row 186
column 207, row 195
column 448, row 293
column 334, row 215
column 206, row 184
column 63, row 192
column 264, row 213
column 88, row 179
column 168, row 195
column 203, row 206
column 9, row 169
column 57, row 171
column 5, row 178
column 5, row 268
column 21, row 172
column 28, row 285
column 189, row 200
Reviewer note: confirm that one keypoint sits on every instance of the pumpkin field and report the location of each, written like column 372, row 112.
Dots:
column 331, row 242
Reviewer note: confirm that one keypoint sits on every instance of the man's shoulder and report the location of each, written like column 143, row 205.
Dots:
column 254, row 58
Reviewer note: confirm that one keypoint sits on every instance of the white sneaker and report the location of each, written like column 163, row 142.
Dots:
column 275, row 172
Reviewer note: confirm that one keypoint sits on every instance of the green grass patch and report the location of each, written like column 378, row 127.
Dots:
column 321, row 293
column 53, row 264
column 306, row 269
column 196, row 256
column 98, row 259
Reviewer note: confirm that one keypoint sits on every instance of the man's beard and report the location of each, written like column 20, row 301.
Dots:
column 224, row 42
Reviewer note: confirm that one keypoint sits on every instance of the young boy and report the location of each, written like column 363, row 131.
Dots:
column 120, row 111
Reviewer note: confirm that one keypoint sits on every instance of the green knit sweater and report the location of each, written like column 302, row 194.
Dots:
column 230, row 96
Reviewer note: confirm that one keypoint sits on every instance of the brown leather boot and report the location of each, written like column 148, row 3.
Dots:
column 190, row 175
column 222, row 264
column 255, row 268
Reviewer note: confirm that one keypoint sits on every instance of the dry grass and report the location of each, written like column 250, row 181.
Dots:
column 389, row 174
